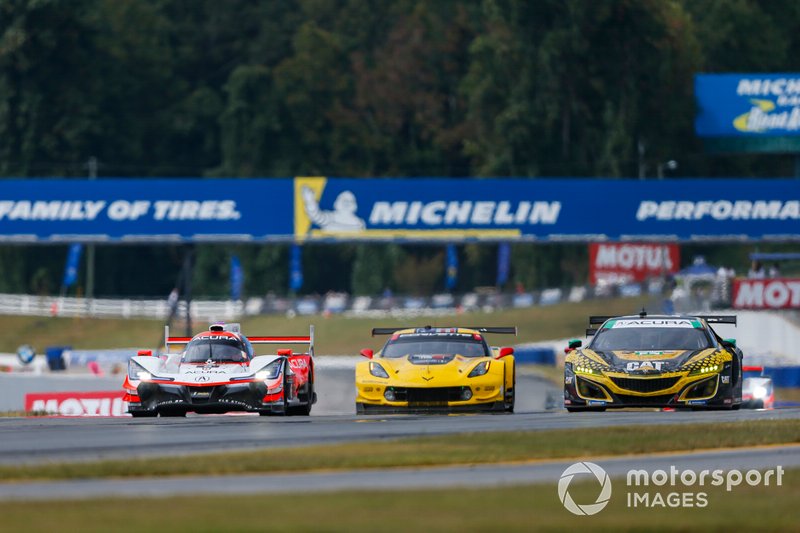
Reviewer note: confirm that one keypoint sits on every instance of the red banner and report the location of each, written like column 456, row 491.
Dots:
column 100, row 403
column 627, row 262
column 766, row 293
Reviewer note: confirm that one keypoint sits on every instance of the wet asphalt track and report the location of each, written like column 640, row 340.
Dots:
column 30, row 440
column 36, row 440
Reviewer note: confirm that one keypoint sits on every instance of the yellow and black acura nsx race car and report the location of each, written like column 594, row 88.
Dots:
column 653, row 361
column 434, row 368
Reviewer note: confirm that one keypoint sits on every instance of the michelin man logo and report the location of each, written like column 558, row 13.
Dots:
column 602, row 499
column 342, row 218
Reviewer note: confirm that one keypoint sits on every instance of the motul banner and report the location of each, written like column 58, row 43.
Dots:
column 102, row 403
column 766, row 293
column 628, row 262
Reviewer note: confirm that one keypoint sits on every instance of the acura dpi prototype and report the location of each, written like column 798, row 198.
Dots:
column 451, row 369
column 758, row 391
column 218, row 371
column 653, row 361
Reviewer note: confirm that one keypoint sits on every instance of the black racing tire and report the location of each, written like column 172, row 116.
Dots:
column 586, row 409
column 305, row 409
column 285, row 411
column 508, row 406
column 361, row 409
column 144, row 414
column 173, row 414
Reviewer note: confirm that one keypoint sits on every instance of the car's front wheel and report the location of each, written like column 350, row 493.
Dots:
column 585, row 409
column 510, row 397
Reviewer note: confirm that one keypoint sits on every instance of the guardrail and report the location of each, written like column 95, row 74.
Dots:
column 22, row 304
column 332, row 303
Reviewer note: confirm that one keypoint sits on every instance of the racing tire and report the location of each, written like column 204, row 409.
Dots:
column 304, row 409
column 585, row 409
column 173, row 414
column 284, row 399
column 508, row 405
column 361, row 409
column 143, row 414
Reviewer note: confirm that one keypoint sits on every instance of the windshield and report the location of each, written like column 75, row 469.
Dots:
column 642, row 339
column 465, row 346
column 225, row 349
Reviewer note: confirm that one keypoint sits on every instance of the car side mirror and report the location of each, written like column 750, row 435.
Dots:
column 729, row 342
column 145, row 353
column 366, row 352
column 504, row 351
column 573, row 344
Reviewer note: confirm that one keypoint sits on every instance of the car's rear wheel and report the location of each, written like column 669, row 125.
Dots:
column 360, row 409
column 305, row 409
column 174, row 414
column 143, row 414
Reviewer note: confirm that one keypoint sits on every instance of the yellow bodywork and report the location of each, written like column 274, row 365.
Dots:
column 489, row 388
column 590, row 367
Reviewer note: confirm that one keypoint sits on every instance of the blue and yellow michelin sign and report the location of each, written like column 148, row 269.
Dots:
column 397, row 209
column 754, row 105
column 429, row 209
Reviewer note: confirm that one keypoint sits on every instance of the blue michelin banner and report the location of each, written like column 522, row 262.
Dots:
column 401, row 209
column 755, row 105
column 547, row 209
column 130, row 210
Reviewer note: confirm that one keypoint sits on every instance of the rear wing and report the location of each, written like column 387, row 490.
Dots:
column 719, row 319
column 309, row 339
column 599, row 319
column 502, row 330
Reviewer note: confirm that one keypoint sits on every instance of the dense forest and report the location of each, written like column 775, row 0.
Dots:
column 363, row 88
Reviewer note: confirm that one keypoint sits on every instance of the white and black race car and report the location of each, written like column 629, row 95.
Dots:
column 218, row 371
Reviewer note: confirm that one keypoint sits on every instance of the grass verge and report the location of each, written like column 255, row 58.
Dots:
column 787, row 395
column 335, row 335
column 519, row 508
column 471, row 448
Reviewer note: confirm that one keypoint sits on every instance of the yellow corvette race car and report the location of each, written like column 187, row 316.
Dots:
column 654, row 361
column 437, row 369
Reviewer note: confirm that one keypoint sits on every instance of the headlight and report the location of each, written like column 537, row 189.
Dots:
column 137, row 372
column 706, row 368
column 583, row 367
column 479, row 370
column 377, row 370
column 271, row 371
column 759, row 392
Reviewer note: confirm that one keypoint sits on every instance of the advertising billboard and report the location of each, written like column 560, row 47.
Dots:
column 398, row 209
column 766, row 293
column 631, row 262
column 752, row 105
